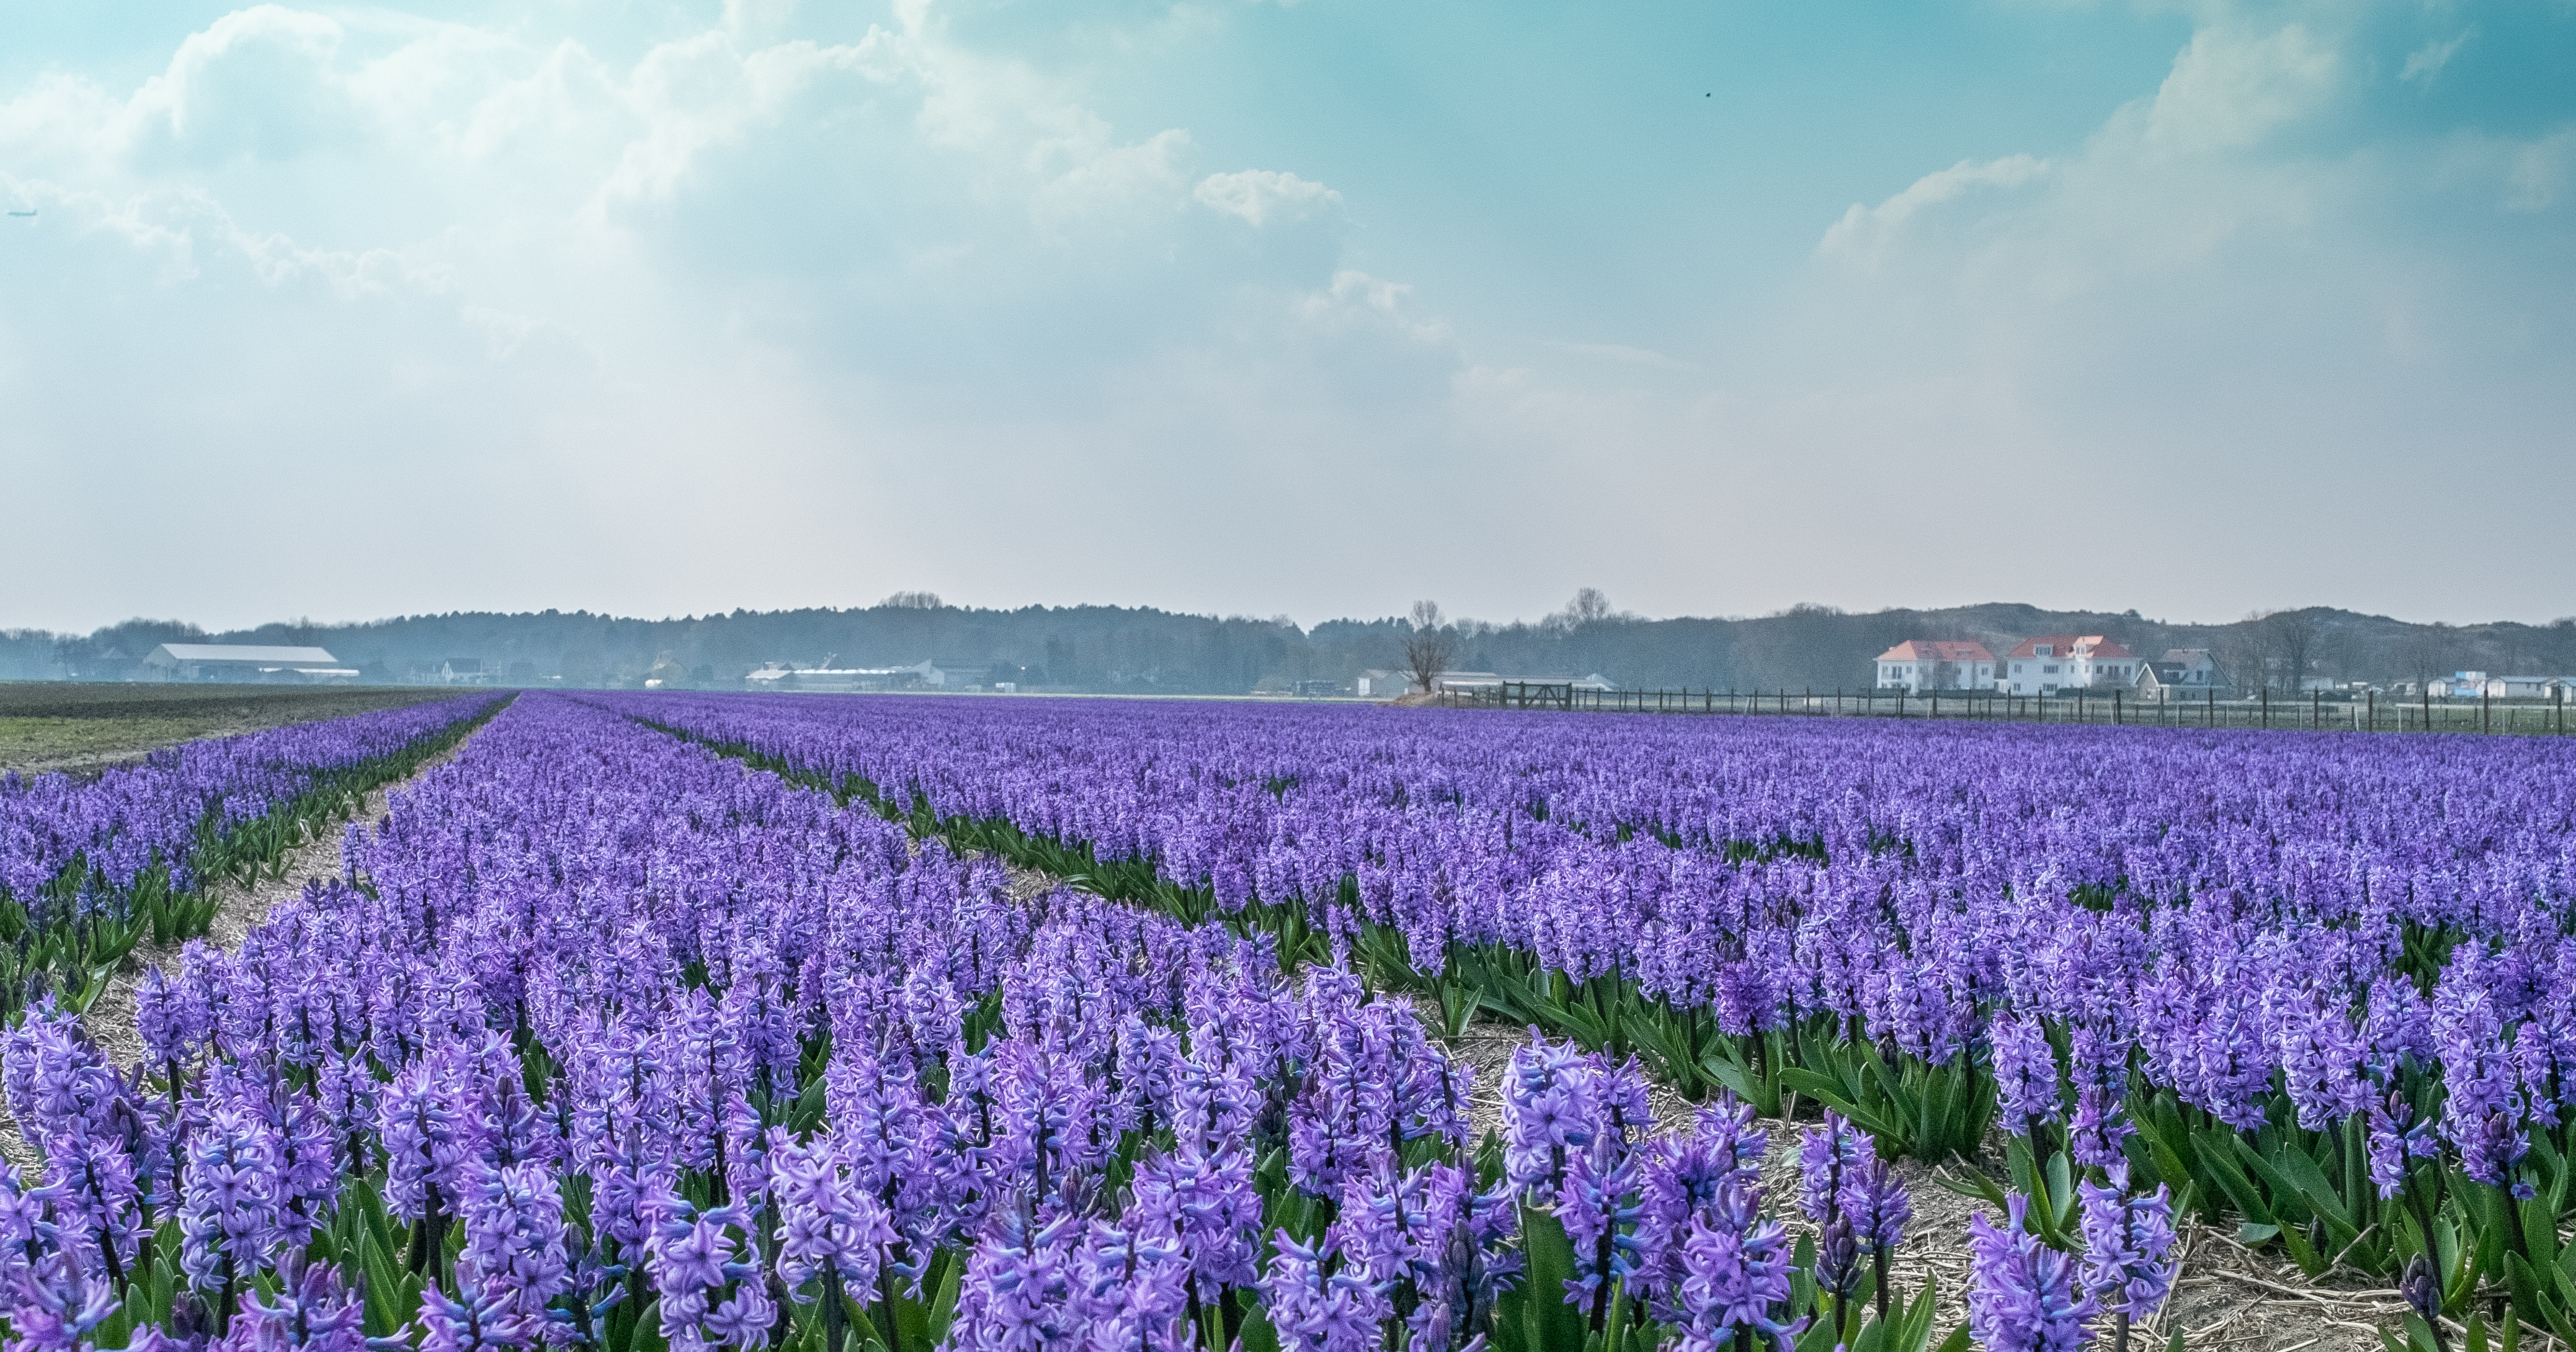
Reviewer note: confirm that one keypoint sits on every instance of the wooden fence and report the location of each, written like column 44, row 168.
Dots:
column 2370, row 713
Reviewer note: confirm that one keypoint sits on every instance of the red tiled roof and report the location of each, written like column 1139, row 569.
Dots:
column 2073, row 645
column 1936, row 650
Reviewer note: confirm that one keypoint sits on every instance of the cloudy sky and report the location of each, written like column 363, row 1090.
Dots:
column 1311, row 308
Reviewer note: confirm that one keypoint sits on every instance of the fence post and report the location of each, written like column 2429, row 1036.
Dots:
column 2316, row 709
column 2486, row 709
column 2115, row 708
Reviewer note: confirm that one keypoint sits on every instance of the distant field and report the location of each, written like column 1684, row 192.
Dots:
column 83, row 728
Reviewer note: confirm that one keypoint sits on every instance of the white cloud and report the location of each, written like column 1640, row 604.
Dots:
column 2232, row 88
column 1257, row 195
column 1864, row 231
column 2538, row 172
column 258, row 82
column 2427, row 61
column 1357, row 300
column 1624, row 355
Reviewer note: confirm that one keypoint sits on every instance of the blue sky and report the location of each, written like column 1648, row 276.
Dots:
column 1310, row 309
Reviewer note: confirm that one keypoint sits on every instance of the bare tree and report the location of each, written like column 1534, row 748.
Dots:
column 1430, row 646
column 912, row 600
column 2293, row 643
column 2244, row 654
column 2425, row 653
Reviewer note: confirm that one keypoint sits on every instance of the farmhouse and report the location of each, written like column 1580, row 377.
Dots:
column 243, row 662
column 1917, row 665
column 2194, row 666
column 2182, row 673
column 2054, row 662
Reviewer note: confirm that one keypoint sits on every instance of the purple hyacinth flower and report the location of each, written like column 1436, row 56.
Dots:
column 2023, row 1296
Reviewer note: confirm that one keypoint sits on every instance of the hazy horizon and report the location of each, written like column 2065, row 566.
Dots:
column 1224, row 307
column 1303, row 622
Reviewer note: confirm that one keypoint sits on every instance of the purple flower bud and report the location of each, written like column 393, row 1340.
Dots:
column 1825, row 1158
column 1875, row 1199
column 228, row 1201
column 2022, row 1296
column 2025, row 1069
column 2127, row 1237
column 1550, row 1110
column 1735, row 1281
column 312, row 1313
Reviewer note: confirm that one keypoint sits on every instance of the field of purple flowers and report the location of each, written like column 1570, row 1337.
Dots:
column 615, row 1040
column 88, row 869
column 2320, row 988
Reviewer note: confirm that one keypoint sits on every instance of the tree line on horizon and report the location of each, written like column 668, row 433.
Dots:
column 1141, row 650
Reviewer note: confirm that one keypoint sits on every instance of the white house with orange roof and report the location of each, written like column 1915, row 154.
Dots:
column 1928, row 664
column 2054, row 662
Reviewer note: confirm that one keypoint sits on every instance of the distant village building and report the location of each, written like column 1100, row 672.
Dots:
column 2182, row 673
column 244, row 663
column 831, row 680
column 2518, row 687
column 1488, row 681
column 1917, row 665
column 2459, row 685
column 2194, row 667
column 466, row 671
column 1380, row 684
column 2054, row 662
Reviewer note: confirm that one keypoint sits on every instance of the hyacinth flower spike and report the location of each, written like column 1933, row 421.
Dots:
column 1877, row 1204
column 2023, row 1296
column 2128, row 1241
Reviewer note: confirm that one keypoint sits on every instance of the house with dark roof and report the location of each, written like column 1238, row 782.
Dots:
column 1921, row 664
column 2182, row 673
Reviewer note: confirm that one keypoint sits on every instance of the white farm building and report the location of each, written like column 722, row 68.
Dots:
column 2054, row 662
column 244, row 662
column 1917, row 665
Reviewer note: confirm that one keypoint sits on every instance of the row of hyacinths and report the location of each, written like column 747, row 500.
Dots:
column 2321, row 987
column 90, row 868
column 112, row 830
column 618, row 1044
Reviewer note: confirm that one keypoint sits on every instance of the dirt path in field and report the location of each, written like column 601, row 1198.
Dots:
column 238, row 910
